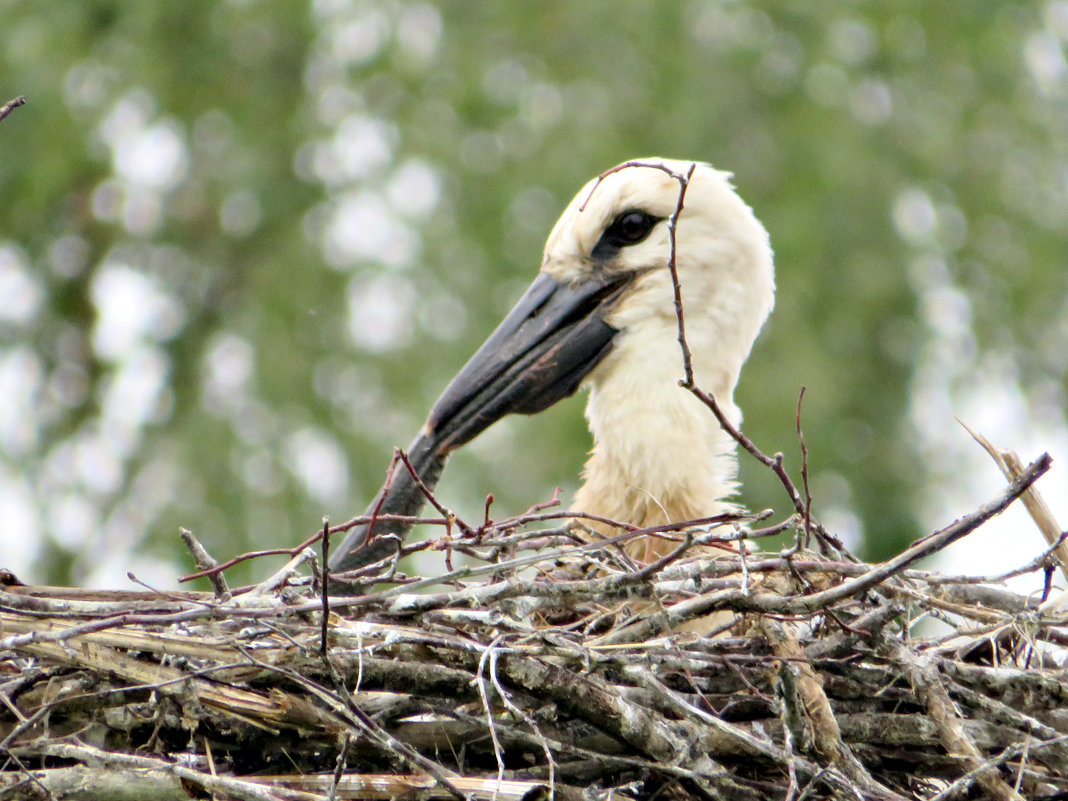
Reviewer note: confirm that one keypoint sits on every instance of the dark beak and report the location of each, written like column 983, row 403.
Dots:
column 538, row 355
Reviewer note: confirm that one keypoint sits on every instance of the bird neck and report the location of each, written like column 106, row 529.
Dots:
column 659, row 455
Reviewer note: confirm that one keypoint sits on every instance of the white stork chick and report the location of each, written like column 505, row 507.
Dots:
column 601, row 314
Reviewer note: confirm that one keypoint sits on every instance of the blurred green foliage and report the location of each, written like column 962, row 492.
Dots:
column 244, row 245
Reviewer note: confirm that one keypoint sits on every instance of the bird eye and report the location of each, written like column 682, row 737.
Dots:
column 631, row 227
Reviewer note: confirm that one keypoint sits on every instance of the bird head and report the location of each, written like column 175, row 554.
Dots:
column 605, row 282
column 618, row 227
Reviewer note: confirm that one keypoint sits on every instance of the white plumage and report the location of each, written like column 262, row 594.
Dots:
column 659, row 455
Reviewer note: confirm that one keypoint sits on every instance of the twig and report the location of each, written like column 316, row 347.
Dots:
column 804, row 469
column 324, row 589
column 339, row 763
column 774, row 462
column 1011, row 467
column 792, row 787
column 672, row 224
column 262, row 592
column 206, row 562
column 480, row 682
column 506, row 699
column 11, row 105
column 450, row 517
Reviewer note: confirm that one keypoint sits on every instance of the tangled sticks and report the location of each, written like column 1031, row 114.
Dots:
column 490, row 682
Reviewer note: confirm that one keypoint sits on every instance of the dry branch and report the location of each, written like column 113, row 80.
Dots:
column 497, row 681
column 1011, row 467
column 11, row 105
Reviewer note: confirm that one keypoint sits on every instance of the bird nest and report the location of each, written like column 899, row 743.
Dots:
column 540, row 666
